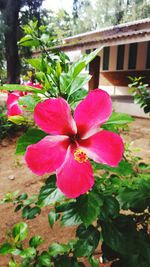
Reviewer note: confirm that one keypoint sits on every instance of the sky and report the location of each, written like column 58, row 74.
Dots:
column 58, row 4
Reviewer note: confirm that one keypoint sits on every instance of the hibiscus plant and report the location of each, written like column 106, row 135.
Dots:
column 93, row 180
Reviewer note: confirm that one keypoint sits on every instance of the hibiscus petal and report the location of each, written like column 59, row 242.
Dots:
column 91, row 112
column 54, row 117
column 47, row 155
column 14, row 110
column 74, row 178
column 104, row 147
column 12, row 98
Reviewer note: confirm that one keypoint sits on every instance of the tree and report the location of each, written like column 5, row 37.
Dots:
column 83, row 16
column 2, row 51
column 59, row 24
column 88, row 16
column 10, row 10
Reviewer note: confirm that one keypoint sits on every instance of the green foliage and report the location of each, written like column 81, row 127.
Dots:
column 124, row 168
column 89, row 207
column 114, row 214
column 20, row 232
column 30, row 212
column 57, row 249
column 89, row 16
column 49, row 193
column 36, row 241
column 5, row 248
column 88, row 240
column 29, row 102
column 44, row 259
column 101, row 216
column 135, row 196
column 52, row 218
column 93, row 262
column 31, row 136
column 7, row 127
column 140, row 92
column 117, row 121
column 18, row 120
column 13, row 263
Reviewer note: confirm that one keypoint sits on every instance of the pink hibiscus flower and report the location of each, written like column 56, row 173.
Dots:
column 35, row 85
column 72, row 141
column 12, row 100
column 13, row 108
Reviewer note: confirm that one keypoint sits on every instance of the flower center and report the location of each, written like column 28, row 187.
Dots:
column 80, row 156
column 74, row 138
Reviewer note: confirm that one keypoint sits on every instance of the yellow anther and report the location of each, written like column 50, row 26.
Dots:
column 80, row 156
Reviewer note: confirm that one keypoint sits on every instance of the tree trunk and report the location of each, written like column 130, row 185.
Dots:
column 11, row 18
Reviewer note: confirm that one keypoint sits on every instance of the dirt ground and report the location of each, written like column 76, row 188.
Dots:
column 14, row 167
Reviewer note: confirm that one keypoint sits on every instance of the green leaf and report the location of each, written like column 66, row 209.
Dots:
column 89, row 57
column 110, row 208
column 119, row 118
column 79, row 82
column 21, row 197
column 88, row 206
column 13, row 263
column 88, row 241
column 49, row 193
column 19, row 120
column 9, row 197
column 123, row 169
column 15, row 251
column 28, row 41
column 123, row 237
column 135, row 197
column 108, row 253
column 72, row 76
column 30, row 213
column 76, row 97
column 94, row 262
column 5, row 248
column 29, row 101
column 35, row 62
column 32, row 136
column 65, row 82
column 70, row 217
column 28, row 253
column 114, row 238
column 18, row 207
column 144, row 166
column 58, row 69
column 30, row 200
column 20, row 231
column 44, row 259
column 56, row 249
column 22, row 88
column 65, row 261
column 36, row 241
column 76, row 68
column 52, row 218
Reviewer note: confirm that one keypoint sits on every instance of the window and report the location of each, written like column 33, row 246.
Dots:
column 106, row 58
column 132, row 56
column 120, row 57
column 148, row 56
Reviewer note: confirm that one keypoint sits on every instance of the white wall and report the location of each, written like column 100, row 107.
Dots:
column 129, row 108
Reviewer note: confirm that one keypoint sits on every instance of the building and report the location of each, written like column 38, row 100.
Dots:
column 125, row 51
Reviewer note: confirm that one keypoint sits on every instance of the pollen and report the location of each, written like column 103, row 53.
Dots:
column 80, row 156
